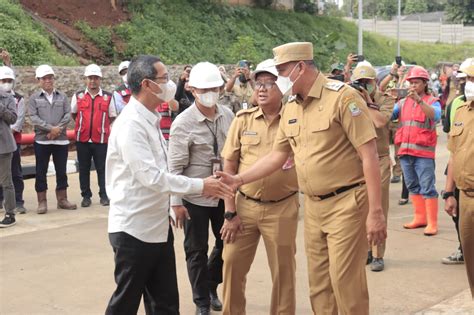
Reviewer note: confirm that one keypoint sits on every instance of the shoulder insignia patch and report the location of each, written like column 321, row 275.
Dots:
column 334, row 86
column 355, row 111
column 246, row 111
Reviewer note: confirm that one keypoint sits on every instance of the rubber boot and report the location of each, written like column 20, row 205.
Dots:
column 420, row 213
column 42, row 203
column 432, row 214
column 63, row 203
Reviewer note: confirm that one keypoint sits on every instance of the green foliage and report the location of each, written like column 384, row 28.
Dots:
column 460, row 11
column 415, row 6
column 307, row 6
column 27, row 43
column 100, row 36
column 387, row 8
column 243, row 48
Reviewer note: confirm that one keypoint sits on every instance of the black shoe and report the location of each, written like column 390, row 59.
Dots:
column 21, row 209
column 370, row 258
column 86, row 202
column 377, row 265
column 104, row 201
column 203, row 310
column 216, row 304
column 8, row 221
column 395, row 179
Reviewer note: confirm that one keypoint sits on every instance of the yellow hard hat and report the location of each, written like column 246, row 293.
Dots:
column 467, row 67
column 363, row 72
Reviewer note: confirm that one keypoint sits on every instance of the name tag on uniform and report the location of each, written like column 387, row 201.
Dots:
column 292, row 121
column 249, row 133
column 216, row 165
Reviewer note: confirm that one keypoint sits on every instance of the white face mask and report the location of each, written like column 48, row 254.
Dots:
column 6, row 87
column 285, row 84
column 124, row 79
column 168, row 90
column 469, row 91
column 208, row 99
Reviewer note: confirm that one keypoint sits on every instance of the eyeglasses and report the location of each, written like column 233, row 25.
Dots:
column 265, row 85
column 163, row 78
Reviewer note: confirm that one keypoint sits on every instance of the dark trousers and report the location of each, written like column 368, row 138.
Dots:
column 457, row 217
column 17, row 176
column 43, row 153
column 143, row 269
column 86, row 151
column 405, row 192
column 204, row 273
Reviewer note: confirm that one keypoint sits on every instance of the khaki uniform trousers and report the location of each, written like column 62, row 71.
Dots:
column 379, row 251
column 467, row 234
column 277, row 224
column 336, row 249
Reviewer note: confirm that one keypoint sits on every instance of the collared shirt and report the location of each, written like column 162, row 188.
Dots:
column 436, row 106
column 386, row 103
column 324, row 132
column 191, row 147
column 112, row 108
column 21, row 112
column 138, row 182
column 49, row 110
column 243, row 92
column 251, row 137
column 461, row 146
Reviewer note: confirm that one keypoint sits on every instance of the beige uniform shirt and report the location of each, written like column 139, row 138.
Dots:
column 461, row 146
column 251, row 137
column 323, row 132
column 386, row 104
column 243, row 92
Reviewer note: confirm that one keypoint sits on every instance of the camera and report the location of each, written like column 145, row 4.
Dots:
column 402, row 93
column 358, row 85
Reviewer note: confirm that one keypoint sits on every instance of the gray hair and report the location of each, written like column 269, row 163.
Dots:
column 141, row 67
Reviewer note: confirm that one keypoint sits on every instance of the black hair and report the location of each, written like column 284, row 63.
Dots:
column 141, row 67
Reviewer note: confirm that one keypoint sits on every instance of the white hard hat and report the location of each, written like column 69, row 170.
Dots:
column 6, row 73
column 364, row 63
column 434, row 76
column 123, row 65
column 93, row 69
column 461, row 75
column 467, row 67
column 43, row 70
column 205, row 75
column 265, row 66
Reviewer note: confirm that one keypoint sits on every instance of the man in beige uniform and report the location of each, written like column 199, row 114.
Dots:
column 380, row 106
column 267, row 207
column 461, row 170
column 328, row 128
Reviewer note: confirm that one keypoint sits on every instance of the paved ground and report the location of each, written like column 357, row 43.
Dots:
column 62, row 263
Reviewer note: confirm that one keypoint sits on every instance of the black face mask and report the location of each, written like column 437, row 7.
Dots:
column 242, row 78
column 462, row 86
column 339, row 77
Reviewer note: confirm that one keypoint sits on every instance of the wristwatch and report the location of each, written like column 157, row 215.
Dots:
column 228, row 215
column 446, row 194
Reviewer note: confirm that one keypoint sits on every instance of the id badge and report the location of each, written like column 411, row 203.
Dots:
column 245, row 105
column 216, row 165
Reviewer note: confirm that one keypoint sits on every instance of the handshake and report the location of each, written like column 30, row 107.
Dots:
column 221, row 185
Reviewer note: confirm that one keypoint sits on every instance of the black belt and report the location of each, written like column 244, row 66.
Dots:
column 266, row 201
column 338, row 191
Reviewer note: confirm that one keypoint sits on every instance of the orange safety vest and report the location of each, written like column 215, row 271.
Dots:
column 92, row 120
column 417, row 133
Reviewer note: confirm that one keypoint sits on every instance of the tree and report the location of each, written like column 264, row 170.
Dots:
column 387, row 8
column 460, row 11
column 415, row 6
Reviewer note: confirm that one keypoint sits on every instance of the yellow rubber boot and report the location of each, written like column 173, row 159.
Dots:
column 432, row 214
column 420, row 213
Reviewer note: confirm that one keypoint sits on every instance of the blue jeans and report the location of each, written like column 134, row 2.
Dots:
column 419, row 175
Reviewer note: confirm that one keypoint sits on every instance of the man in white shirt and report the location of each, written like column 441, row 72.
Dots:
column 139, row 185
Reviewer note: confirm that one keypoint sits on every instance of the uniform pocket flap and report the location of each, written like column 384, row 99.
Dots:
column 320, row 125
column 292, row 130
column 250, row 140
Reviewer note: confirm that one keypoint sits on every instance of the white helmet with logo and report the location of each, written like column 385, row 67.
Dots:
column 205, row 75
column 43, row 70
column 6, row 73
column 93, row 69
column 123, row 65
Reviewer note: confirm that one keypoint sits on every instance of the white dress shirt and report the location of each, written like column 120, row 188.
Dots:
column 137, row 178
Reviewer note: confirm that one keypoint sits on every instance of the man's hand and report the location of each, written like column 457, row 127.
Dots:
column 450, row 206
column 184, row 76
column 351, row 58
column 55, row 132
column 376, row 227
column 246, row 72
column 233, row 181
column 214, row 187
column 238, row 72
column 230, row 229
column 181, row 214
column 5, row 58
column 413, row 95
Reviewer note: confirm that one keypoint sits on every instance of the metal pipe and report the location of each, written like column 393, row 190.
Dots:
column 398, row 26
column 359, row 50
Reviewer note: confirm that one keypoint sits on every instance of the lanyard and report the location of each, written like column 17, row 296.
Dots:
column 214, row 135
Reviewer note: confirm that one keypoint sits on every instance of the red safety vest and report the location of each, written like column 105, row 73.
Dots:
column 165, row 122
column 17, row 135
column 124, row 92
column 92, row 120
column 417, row 133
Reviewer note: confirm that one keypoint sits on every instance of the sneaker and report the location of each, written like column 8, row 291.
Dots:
column 395, row 179
column 369, row 257
column 8, row 221
column 104, row 201
column 377, row 265
column 402, row 202
column 456, row 258
column 86, row 202
column 21, row 209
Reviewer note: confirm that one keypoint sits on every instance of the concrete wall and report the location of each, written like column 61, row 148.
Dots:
column 417, row 31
